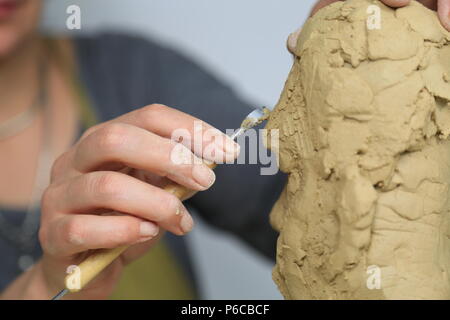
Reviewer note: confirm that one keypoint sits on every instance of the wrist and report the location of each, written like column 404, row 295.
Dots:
column 30, row 285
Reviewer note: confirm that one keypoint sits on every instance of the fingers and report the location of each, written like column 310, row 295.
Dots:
column 113, row 191
column 140, row 149
column 396, row 3
column 442, row 6
column 193, row 133
column 444, row 13
column 319, row 5
column 293, row 37
column 392, row 3
column 77, row 233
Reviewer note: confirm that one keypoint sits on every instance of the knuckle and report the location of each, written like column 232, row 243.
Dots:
column 47, row 200
column 48, row 246
column 156, row 108
column 44, row 235
column 74, row 232
column 104, row 184
column 91, row 130
column 58, row 166
column 112, row 137
column 153, row 111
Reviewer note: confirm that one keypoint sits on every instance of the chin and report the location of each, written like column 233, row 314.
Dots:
column 10, row 41
column 18, row 23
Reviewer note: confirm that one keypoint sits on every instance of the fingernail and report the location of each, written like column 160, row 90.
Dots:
column 144, row 240
column 230, row 147
column 203, row 175
column 148, row 229
column 186, row 223
column 224, row 143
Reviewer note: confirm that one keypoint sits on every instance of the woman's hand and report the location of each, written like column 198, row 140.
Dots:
column 107, row 190
column 442, row 7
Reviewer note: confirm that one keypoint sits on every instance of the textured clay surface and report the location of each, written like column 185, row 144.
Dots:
column 364, row 120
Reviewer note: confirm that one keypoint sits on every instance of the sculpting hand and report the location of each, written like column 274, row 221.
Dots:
column 107, row 190
column 441, row 6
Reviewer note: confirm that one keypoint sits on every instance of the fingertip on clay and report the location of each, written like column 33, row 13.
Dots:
column 319, row 5
column 444, row 13
column 396, row 3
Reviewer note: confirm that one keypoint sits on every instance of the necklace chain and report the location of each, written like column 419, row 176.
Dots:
column 20, row 122
column 22, row 237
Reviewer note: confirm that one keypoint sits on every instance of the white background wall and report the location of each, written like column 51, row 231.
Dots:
column 242, row 41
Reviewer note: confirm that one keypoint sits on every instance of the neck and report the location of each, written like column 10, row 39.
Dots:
column 18, row 78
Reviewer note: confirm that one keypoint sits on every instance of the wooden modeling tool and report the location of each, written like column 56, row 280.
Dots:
column 98, row 261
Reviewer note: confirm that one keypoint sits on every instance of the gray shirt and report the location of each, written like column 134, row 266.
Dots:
column 122, row 73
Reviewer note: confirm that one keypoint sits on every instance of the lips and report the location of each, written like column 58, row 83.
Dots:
column 8, row 8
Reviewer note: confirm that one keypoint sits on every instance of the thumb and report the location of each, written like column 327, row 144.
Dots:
column 444, row 13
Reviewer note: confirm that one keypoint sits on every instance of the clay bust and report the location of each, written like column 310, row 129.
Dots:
column 364, row 122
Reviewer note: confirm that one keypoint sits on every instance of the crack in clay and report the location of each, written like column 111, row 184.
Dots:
column 364, row 120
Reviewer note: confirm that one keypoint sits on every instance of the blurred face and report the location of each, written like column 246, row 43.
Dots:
column 18, row 21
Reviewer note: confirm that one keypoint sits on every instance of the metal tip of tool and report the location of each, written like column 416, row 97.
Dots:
column 256, row 117
column 61, row 294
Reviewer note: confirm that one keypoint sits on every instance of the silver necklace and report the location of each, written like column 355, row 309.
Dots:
column 23, row 236
column 20, row 122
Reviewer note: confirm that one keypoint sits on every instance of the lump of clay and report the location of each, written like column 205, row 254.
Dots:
column 364, row 122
